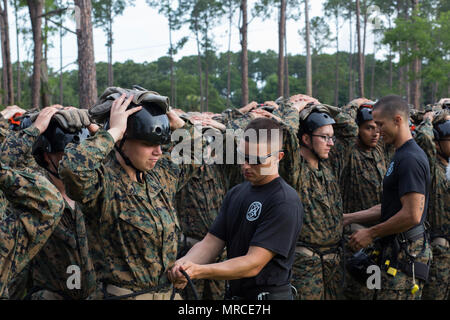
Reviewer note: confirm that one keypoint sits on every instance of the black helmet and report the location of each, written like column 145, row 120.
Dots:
column 364, row 114
column 55, row 139
column 150, row 124
column 314, row 121
column 441, row 130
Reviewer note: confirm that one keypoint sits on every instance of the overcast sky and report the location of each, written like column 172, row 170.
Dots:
column 141, row 34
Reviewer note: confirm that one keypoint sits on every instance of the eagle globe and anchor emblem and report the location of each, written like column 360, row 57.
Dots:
column 254, row 210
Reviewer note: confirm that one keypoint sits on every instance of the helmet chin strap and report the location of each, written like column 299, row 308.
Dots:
column 312, row 149
column 127, row 160
column 53, row 173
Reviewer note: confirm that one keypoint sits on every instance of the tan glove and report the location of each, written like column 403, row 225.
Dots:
column 73, row 119
column 330, row 110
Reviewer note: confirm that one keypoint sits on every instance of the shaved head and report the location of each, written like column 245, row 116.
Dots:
column 391, row 106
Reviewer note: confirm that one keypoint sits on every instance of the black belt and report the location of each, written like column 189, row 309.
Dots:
column 266, row 293
column 414, row 233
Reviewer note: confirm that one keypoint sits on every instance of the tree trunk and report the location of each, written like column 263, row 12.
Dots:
column 230, row 24
column 281, row 28
column 360, row 57
column 61, row 85
column 172, row 77
column 19, row 87
column 286, row 68
column 7, row 66
column 45, row 97
column 206, row 66
column 417, row 83
column 110, row 44
column 200, row 72
column 336, row 81
column 35, row 8
column 308, row 52
column 350, row 64
column 87, row 78
column 244, row 54
column 372, row 81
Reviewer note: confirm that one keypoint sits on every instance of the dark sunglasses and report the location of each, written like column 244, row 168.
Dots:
column 256, row 160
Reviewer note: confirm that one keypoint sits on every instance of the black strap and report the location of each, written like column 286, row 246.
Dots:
column 148, row 290
column 127, row 160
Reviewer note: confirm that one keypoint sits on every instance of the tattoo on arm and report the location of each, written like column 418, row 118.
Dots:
column 422, row 204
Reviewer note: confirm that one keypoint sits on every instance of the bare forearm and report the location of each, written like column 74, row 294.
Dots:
column 202, row 253
column 365, row 216
column 400, row 222
column 236, row 268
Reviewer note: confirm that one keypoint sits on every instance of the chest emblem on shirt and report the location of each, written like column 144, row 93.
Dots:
column 390, row 169
column 254, row 210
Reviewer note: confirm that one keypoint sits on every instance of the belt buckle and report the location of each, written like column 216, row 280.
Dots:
column 262, row 295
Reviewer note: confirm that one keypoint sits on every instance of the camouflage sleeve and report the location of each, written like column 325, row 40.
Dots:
column 4, row 128
column 424, row 139
column 228, row 115
column 37, row 207
column 82, row 171
column 289, row 116
column 346, row 132
column 289, row 165
column 351, row 108
column 183, row 168
column 17, row 146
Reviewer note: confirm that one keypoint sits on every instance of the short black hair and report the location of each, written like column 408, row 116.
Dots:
column 266, row 124
column 392, row 104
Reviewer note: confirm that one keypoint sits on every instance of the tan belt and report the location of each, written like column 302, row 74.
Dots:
column 440, row 241
column 309, row 253
column 117, row 291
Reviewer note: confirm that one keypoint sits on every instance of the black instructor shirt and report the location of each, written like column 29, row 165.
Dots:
column 409, row 171
column 268, row 216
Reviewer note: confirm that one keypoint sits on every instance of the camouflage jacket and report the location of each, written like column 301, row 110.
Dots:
column 199, row 201
column 36, row 208
column 136, row 223
column 4, row 128
column 319, row 188
column 439, row 204
column 68, row 244
column 361, row 181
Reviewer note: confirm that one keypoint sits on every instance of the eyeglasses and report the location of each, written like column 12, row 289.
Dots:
column 326, row 138
column 256, row 160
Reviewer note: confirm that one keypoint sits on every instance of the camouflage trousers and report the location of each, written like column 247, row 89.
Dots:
column 315, row 280
column 399, row 287
column 437, row 287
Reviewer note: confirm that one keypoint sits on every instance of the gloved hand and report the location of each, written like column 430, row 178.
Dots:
column 100, row 111
column 330, row 110
column 73, row 119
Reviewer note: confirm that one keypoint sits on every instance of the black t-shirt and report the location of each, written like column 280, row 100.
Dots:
column 409, row 171
column 268, row 216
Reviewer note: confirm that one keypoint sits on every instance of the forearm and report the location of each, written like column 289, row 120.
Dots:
column 365, row 216
column 203, row 252
column 400, row 222
column 236, row 268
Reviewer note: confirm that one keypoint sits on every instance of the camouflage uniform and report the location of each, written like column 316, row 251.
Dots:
column 136, row 223
column 361, row 185
column 3, row 132
column 319, row 275
column 66, row 246
column 36, row 209
column 198, row 204
column 437, row 287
